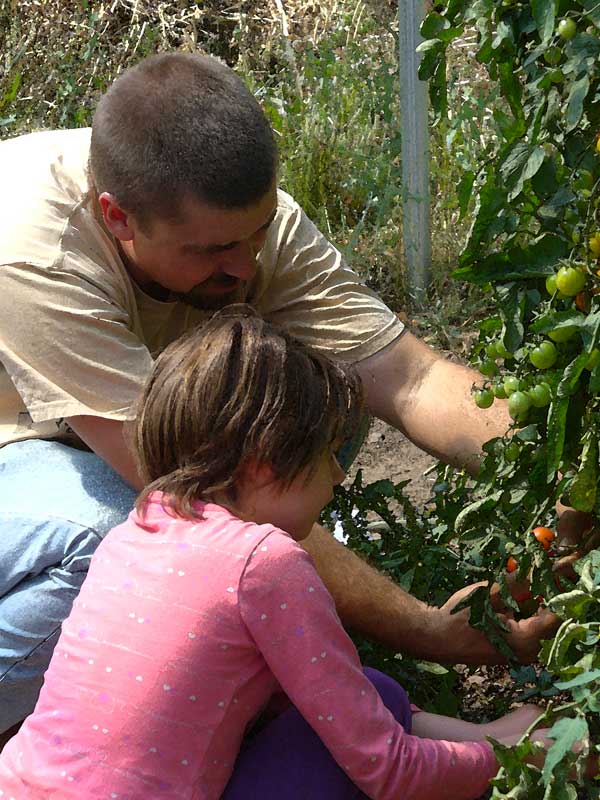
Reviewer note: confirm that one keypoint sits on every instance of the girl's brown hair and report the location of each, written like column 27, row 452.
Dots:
column 236, row 391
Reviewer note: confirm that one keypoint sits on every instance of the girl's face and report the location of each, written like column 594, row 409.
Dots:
column 296, row 508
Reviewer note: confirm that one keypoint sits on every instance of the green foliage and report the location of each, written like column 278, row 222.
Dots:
column 535, row 209
column 383, row 526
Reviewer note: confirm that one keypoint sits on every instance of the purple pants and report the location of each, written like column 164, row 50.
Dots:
column 288, row 760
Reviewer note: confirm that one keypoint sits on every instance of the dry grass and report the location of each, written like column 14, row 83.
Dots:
column 63, row 54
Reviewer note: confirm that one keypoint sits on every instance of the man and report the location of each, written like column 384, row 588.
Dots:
column 100, row 268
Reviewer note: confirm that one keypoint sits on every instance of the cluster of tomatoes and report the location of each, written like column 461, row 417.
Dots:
column 520, row 589
column 568, row 283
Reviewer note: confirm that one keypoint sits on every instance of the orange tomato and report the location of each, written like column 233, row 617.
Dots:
column 511, row 564
column 582, row 301
column 544, row 536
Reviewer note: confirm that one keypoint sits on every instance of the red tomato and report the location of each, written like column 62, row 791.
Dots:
column 544, row 536
column 511, row 564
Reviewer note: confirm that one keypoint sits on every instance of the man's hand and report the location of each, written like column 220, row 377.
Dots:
column 524, row 636
column 575, row 532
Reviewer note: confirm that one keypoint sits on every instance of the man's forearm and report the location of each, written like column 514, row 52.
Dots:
column 428, row 398
column 373, row 605
column 449, row 424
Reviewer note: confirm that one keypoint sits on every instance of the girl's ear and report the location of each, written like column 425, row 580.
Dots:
column 257, row 474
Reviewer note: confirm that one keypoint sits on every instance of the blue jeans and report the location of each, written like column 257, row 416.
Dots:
column 56, row 504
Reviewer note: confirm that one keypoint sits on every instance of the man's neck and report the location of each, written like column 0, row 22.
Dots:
column 154, row 290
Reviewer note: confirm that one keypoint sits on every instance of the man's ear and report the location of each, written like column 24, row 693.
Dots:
column 118, row 222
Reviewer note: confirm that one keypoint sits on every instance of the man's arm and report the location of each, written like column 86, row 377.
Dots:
column 366, row 600
column 107, row 438
column 428, row 398
column 372, row 604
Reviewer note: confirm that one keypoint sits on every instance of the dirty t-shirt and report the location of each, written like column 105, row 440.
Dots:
column 78, row 336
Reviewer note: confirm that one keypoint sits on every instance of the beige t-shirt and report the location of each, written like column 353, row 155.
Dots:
column 78, row 336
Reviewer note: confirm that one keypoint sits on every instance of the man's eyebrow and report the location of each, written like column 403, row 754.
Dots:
column 215, row 248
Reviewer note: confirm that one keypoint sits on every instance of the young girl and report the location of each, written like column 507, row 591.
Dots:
column 202, row 608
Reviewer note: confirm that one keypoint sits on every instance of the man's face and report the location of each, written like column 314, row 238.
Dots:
column 206, row 257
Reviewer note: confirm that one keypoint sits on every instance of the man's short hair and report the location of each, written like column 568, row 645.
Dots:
column 177, row 126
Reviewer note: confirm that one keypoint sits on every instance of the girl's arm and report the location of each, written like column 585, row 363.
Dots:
column 293, row 621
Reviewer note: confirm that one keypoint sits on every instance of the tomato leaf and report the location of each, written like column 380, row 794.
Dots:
column 558, row 319
column 511, row 299
column 571, row 375
column 568, row 633
column 577, row 95
column 557, row 418
column 484, row 618
column 465, row 192
column 571, row 604
column 535, row 261
column 534, row 162
column 583, row 491
column 580, row 680
column 565, row 732
column 544, row 14
column 484, row 504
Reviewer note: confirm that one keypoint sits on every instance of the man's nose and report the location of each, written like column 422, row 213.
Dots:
column 240, row 262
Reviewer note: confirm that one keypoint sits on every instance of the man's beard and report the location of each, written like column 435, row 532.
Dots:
column 212, row 302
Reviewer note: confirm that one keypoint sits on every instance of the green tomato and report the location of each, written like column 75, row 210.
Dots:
column 567, row 29
column 556, row 76
column 488, row 368
column 540, row 395
column 512, row 451
column 483, row 398
column 553, row 55
column 491, row 350
column 594, row 244
column 518, row 405
column 551, row 284
column 563, row 334
column 496, row 349
column 570, row 281
column 593, row 360
column 543, row 356
column 585, row 180
column 499, row 391
column 511, row 384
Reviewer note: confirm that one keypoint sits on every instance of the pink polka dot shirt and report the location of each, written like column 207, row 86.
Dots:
column 181, row 633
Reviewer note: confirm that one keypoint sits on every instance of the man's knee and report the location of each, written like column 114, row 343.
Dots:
column 51, row 480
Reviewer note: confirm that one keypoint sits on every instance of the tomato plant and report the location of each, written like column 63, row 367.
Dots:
column 533, row 245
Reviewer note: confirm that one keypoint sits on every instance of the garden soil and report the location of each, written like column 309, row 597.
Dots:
column 387, row 454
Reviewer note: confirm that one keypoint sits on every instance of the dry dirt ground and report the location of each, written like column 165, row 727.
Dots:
column 386, row 453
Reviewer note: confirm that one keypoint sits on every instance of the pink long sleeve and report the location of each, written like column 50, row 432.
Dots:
column 292, row 618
